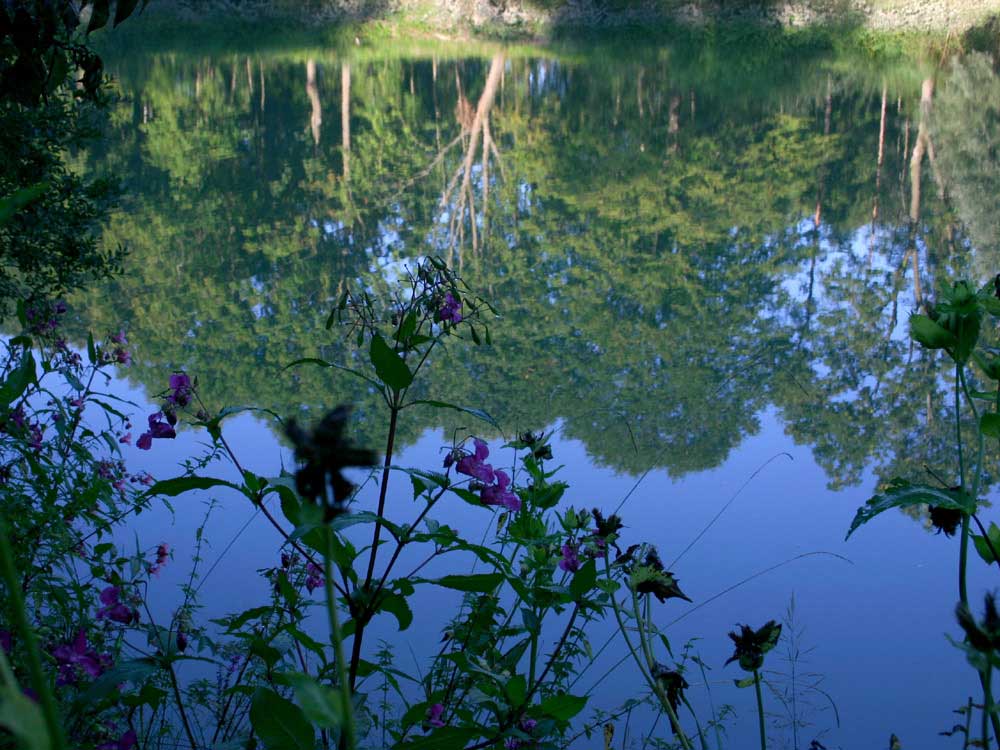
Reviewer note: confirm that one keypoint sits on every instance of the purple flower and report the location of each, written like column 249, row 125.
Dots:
column 569, row 562
column 314, row 577
column 180, row 385
column 77, row 657
column 114, row 609
column 145, row 441
column 126, row 742
column 158, row 428
column 434, row 714
column 182, row 640
column 451, row 310
column 472, row 464
column 500, row 493
column 6, row 641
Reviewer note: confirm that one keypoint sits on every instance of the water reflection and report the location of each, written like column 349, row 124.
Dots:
column 676, row 242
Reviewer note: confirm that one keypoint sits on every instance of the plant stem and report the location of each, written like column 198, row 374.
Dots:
column 180, row 706
column 760, row 709
column 359, row 626
column 338, row 643
column 41, row 685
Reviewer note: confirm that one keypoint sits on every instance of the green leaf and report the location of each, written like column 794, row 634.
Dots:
column 320, row 704
column 516, row 690
column 929, row 334
column 99, row 15
column 279, row 723
column 444, row 738
column 397, row 605
column 136, row 671
column 901, row 494
column 983, row 546
column 477, row 413
column 389, row 366
column 24, row 719
column 480, row 583
column 18, row 380
column 180, row 485
column 407, row 328
column 745, row 682
column 989, row 424
column 583, row 580
column 235, row 623
column 562, row 707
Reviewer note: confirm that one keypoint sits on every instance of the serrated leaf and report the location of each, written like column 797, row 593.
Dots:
column 902, row 494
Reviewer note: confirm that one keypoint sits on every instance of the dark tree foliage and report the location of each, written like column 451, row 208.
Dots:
column 52, row 88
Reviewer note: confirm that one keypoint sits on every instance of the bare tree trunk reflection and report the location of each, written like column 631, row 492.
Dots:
column 316, row 110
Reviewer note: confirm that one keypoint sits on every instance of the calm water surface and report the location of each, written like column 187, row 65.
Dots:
column 704, row 257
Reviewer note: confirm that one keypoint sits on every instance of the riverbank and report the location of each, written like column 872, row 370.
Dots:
column 540, row 19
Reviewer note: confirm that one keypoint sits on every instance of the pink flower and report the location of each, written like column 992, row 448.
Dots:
column 500, row 493
column 473, row 464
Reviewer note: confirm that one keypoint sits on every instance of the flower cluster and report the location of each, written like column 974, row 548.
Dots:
column 116, row 610
column 493, row 484
column 77, row 659
column 451, row 310
column 314, row 577
column 43, row 317
column 570, row 560
column 119, row 353
column 162, row 553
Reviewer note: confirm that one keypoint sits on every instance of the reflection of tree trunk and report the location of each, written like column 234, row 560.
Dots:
column 827, row 120
column 345, row 118
column 673, row 121
column 638, row 90
column 312, row 91
column 263, row 93
column 920, row 148
column 478, row 126
column 878, row 173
